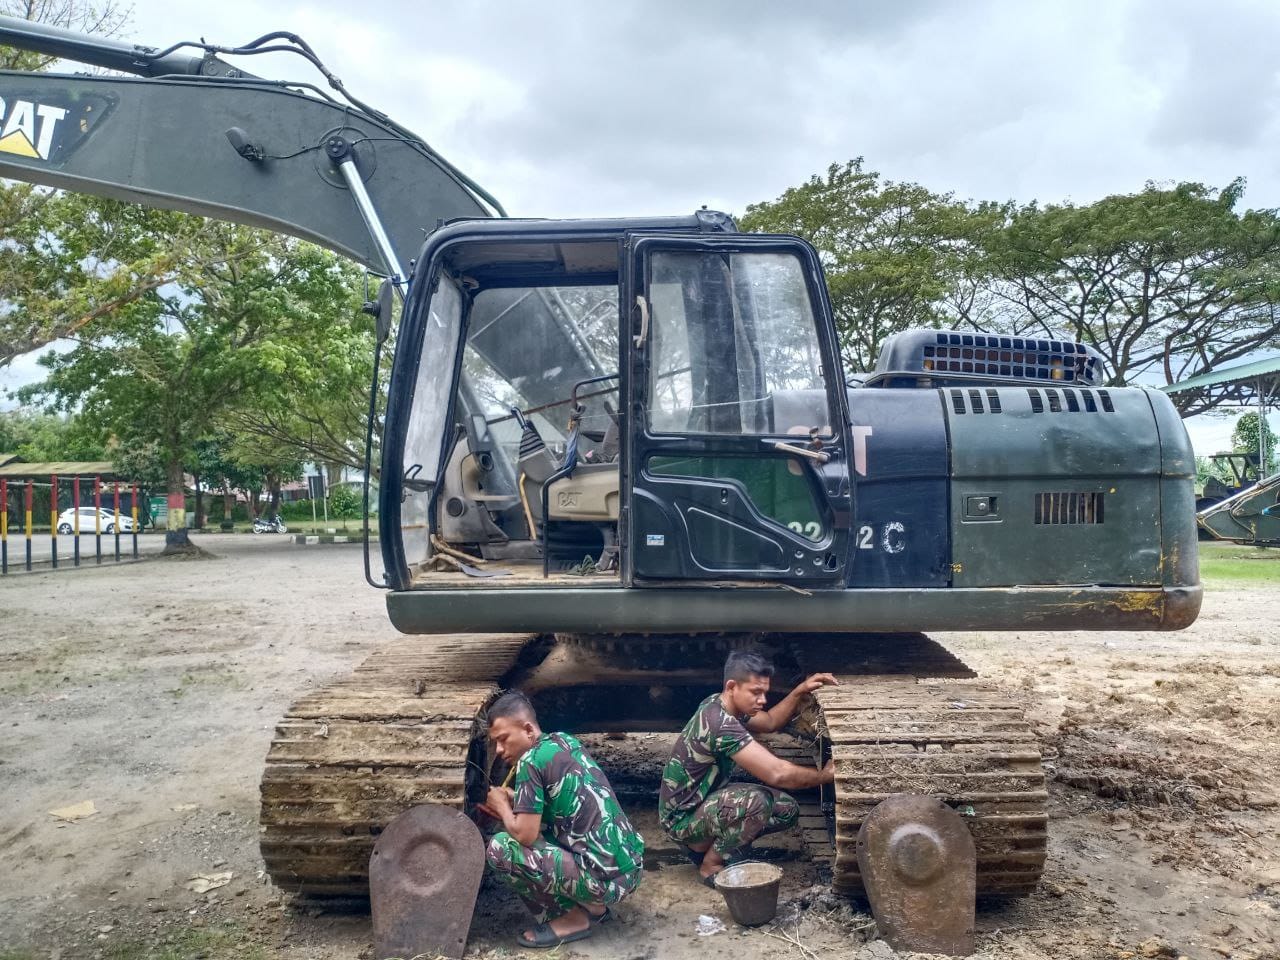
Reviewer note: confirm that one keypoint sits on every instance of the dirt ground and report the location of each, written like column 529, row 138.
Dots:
column 152, row 691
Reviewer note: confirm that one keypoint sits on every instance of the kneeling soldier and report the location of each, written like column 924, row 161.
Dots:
column 696, row 808
column 567, row 849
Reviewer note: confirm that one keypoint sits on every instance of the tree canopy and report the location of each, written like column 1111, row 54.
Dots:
column 250, row 322
column 1167, row 283
column 891, row 251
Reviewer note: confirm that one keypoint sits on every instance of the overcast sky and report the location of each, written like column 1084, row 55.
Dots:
column 625, row 108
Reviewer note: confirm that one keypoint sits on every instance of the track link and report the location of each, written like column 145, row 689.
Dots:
column 348, row 759
column 964, row 743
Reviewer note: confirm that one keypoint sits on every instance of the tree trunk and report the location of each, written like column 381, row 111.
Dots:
column 199, row 502
column 273, row 485
column 175, row 537
column 228, row 501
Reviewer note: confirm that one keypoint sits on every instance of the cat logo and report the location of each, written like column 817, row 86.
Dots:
column 48, row 128
column 28, row 128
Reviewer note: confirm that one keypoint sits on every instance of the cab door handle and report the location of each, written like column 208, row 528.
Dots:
column 816, row 455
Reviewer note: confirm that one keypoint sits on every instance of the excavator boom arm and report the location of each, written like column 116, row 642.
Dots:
column 208, row 139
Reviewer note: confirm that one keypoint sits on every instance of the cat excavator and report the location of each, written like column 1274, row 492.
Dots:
column 615, row 449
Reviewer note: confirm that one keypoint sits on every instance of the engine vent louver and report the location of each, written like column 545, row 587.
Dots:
column 1022, row 357
column 976, row 402
column 1076, row 401
column 1055, row 509
column 1053, row 399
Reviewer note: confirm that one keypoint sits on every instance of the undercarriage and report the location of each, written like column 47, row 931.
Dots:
column 406, row 728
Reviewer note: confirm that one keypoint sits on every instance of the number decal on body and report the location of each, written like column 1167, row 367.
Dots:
column 893, row 537
column 810, row 530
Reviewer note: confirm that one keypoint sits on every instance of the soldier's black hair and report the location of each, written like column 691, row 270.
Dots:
column 513, row 704
column 742, row 666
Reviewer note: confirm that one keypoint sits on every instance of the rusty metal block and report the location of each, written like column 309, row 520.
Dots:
column 424, row 875
column 919, row 869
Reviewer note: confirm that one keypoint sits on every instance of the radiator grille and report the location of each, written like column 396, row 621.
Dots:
column 1068, row 508
column 1021, row 357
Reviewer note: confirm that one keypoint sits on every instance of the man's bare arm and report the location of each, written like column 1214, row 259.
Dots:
column 767, row 721
column 776, row 772
column 524, row 827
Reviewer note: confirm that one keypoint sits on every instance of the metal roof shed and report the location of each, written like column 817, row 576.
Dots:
column 1249, row 384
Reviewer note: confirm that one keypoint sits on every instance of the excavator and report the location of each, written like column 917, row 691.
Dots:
column 615, row 449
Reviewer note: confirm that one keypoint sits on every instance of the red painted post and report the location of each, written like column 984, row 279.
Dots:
column 97, row 518
column 4, row 526
column 115, row 524
column 53, row 517
column 27, row 518
column 75, row 496
column 135, row 521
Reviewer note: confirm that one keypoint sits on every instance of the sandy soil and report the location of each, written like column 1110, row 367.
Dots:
column 152, row 690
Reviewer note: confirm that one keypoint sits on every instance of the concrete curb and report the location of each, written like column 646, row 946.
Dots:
column 305, row 539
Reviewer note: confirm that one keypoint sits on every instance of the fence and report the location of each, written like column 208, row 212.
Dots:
column 23, row 495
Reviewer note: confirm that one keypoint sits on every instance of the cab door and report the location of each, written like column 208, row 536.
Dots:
column 736, row 463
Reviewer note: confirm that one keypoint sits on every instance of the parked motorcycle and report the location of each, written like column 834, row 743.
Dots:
column 273, row 525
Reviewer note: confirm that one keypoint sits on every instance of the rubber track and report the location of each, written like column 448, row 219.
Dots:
column 964, row 743
column 348, row 759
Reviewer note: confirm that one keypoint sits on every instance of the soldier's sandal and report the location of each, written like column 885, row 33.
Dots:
column 544, row 937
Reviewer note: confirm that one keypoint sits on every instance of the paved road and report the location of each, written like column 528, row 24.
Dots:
column 42, row 548
column 148, row 544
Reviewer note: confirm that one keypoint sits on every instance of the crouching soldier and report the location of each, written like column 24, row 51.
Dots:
column 566, row 848
column 697, row 806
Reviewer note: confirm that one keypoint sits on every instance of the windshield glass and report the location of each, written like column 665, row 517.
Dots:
column 527, row 347
column 734, row 345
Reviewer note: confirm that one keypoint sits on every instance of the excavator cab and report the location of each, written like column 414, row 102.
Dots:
column 602, row 426
column 627, row 404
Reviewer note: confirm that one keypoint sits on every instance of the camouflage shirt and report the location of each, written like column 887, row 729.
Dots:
column 556, row 778
column 701, row 760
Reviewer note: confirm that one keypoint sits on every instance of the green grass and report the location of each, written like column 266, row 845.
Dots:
column 230, row 944
column 1229, row 566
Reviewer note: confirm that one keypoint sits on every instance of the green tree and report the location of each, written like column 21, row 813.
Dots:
column 59, row 271
column 892, row 252
column 318, row 407
column 1244, row 439
column 1172, row 281
column 345, row 503
column 36, row 436
column 168, row 367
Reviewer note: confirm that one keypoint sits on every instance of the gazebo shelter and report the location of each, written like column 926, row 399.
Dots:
column 14, row 469
column 1255, row 384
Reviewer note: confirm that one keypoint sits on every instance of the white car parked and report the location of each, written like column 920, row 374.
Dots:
column 109, row 520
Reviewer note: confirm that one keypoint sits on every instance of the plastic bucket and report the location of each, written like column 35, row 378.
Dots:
column 750, row 890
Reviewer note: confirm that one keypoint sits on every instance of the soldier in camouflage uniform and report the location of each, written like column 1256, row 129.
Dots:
column 697, row 806
column 566, row 848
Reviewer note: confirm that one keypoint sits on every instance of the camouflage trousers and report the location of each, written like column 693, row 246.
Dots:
column 551, row 880
column 735, row 816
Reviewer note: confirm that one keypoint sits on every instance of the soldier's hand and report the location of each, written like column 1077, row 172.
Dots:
column 499, row 799
column 829, row 772
column 816, row 680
